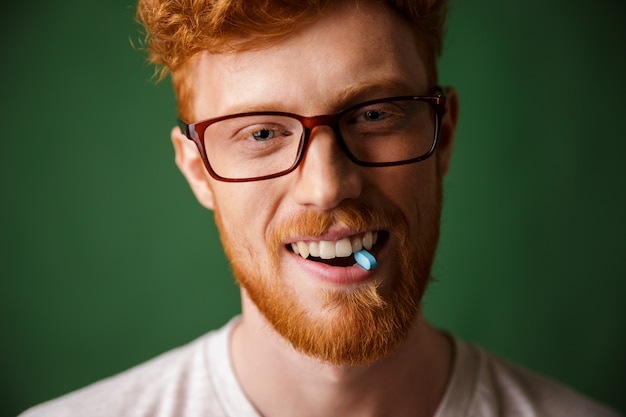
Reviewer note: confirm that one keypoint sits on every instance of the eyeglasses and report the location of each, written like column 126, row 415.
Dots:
column 261, row 145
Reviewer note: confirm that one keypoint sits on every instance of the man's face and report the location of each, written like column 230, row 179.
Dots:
column 332, row 310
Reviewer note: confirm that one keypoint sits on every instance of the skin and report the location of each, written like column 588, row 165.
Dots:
column 321, row 69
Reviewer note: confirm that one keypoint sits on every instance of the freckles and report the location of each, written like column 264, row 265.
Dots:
column 413, row 189
column 248, row 210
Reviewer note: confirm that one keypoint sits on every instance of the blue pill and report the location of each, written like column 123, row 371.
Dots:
column 365, row 260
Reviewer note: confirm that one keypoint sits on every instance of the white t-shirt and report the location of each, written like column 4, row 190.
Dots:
column 197, row 380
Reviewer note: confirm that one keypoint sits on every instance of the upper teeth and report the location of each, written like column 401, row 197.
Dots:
column 330, row 249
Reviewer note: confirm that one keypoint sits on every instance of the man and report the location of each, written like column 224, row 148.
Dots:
column 318, row 136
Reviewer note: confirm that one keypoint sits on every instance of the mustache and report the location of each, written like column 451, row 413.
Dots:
column 350, row 214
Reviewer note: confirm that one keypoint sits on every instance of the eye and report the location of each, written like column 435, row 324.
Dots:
column 256, row 130
column 375, row 115
column 386, row 112
column 376, row 119
column 263, row 134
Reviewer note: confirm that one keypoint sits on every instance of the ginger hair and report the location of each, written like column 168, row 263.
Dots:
column 176, row 30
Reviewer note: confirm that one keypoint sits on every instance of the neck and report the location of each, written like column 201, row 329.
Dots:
column 280, row 381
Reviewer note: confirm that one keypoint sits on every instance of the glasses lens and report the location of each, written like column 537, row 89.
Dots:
column 390, row 131
column 252, row 146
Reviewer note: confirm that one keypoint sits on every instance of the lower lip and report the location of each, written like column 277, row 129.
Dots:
column 336, row 275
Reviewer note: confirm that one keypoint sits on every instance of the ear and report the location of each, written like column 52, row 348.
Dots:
column 448, row 130
column 190, row 164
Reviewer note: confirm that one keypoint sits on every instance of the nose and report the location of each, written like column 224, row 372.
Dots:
column 326, row 176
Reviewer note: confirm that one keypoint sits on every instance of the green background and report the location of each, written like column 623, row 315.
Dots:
column 107, row 260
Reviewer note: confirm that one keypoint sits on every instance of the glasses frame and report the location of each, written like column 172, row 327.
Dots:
column 195, row 132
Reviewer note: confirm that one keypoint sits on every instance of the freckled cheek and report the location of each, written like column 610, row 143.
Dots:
column 246, row 211
column 416, row 195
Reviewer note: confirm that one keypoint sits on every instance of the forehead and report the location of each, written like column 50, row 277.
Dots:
column 356, row 51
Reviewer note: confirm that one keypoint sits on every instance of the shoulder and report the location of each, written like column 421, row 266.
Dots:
column 519, row 391
column 176, row 380
column 498, row 387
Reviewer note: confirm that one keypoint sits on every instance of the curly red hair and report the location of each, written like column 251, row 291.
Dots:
column 176, row 30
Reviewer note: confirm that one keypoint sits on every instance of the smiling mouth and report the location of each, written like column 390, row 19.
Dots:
column 339, row 252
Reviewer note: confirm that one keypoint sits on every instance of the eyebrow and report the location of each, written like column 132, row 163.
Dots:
column 354, row 93
column 268, row 106
column 349, row 95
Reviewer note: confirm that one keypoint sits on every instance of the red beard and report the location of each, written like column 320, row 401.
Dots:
column 355, row 326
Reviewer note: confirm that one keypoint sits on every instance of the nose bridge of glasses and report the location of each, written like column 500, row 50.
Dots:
column 331, row 120
column 327, row 120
